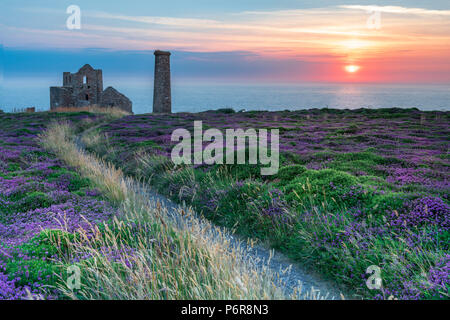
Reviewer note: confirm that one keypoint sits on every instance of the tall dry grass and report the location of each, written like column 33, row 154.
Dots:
column 159, row 254
column 113, row 112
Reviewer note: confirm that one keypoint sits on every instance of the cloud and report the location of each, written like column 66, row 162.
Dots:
column 398, row 10
column 167, row 21
column 207, row 25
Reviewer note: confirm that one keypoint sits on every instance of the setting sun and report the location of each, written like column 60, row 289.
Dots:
column 351, row 68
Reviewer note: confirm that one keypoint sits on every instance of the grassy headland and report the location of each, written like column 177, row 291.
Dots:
column 355, row 189
column 61, row 208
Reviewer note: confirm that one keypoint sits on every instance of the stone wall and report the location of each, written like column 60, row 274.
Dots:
column 61, row 97
column 113, row 98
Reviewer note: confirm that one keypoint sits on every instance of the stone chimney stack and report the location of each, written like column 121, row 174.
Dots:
column 162, row 101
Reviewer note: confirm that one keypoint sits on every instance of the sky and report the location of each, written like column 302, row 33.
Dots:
column 268, row 41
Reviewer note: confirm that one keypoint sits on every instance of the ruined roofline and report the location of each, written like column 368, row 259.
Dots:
column 87, row 66
column 110, row 88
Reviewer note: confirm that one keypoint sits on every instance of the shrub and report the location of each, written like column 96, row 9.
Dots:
column 425, row 211
column 77, row 182
column 315, row 182
column 226, row 110
column 236, row 204
column 33, row 201
column 69, row 180
column 384, row 204
column 33, row 263
column 239, row 171
column 288, row 173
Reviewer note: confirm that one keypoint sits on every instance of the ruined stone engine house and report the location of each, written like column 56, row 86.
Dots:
column 85, row 88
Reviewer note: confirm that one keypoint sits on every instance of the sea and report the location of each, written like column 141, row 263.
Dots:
column 197, row 96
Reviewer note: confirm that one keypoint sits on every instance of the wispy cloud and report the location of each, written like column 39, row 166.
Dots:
column 206, row 25
column 398, row 10
column 167, row 21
